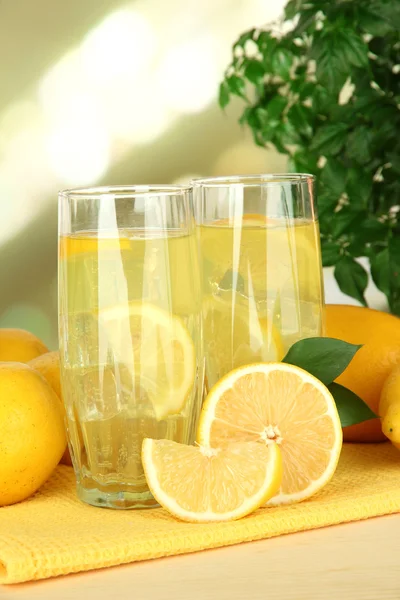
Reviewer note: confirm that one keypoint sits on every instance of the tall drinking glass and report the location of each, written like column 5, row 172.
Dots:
column 261, row 265
column 130, row 332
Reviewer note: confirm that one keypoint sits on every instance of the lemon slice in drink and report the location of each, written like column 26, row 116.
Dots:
column 235, row 336
column 157, row 348
column 203, row 484
column 279, row 404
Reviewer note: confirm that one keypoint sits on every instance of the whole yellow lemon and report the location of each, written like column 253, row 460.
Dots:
column 32, row 434
column 49, row 366
column 20, row 345
column 379, row 333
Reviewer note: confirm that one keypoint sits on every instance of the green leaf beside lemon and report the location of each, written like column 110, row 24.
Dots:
column 326, row 359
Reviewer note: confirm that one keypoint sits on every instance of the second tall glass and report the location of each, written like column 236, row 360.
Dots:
column 262, row 272
column 130, row 332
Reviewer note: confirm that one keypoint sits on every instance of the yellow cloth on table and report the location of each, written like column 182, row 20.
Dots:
column 53, row 533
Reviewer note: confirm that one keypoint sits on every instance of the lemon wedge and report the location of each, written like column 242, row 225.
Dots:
column 204, row 484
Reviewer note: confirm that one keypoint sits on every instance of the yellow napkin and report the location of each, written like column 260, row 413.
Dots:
column 53, row 533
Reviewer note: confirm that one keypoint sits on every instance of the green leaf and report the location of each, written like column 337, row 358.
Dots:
column 224, row 97
column 352, row 278
column 335, row 51
column 330, row 253
column 355, row 247
column 306, row 21
column 307, row 90
column 381, row 112
column 394, row 302
column 269, row 130
column 258, row 138
column 292, row 9
column 256, row 118
column 246, row 116
column 395, row 161
column 246, row 36
column 322, row 100
column 379, row 18
column 262, row 116
column 358, row 145
column 236, row 85
column 276, row 107
column 301, row 118
column 304, row 162
column 351, row 408
column 327, row 203
column 331, row 76
column 300, row 71
column 359, row 186
column 371, row 230
column 277, row 141
column 281, row 62
column 394, row 253
column 254, row 70
column 330, row 139
column 380, row 270
column 288, row 133
column 354, row 48
column 266, row 44
column 325, row 358
column 344, row 220
column 331, row 70
column 333, row 176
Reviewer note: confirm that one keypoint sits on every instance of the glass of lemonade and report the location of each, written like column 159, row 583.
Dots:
column 130, row 332
column 261, row 268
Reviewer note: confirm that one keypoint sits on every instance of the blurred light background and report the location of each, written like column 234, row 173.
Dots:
column 107, row 92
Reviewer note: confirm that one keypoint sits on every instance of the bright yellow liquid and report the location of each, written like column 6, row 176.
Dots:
column 262, row 290
column 105, row 383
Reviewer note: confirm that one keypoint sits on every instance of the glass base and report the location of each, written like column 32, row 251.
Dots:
column 117, row 500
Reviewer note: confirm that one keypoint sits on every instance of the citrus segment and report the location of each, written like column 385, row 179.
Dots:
column 157, row 349
column 279, row 404
column 203, row 484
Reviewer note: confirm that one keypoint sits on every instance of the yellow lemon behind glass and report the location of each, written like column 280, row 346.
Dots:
column 19, row 345
column 49, row 366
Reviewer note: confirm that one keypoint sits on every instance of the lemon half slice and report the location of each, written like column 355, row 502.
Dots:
column 157, row 348
column 279, row 404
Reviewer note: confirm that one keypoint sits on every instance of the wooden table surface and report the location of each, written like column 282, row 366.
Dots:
column 355, row 561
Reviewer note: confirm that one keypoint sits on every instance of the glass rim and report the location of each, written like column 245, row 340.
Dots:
column 125, row 191
column 257, row 179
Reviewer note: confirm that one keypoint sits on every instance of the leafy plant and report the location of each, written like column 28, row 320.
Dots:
column 326, row 359
column 327, row 94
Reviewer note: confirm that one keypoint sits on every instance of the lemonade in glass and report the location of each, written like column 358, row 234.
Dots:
column 130, row 332
column 261, row 268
